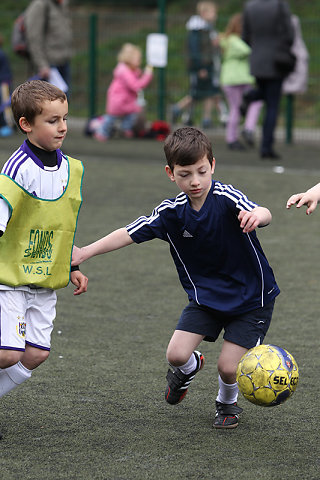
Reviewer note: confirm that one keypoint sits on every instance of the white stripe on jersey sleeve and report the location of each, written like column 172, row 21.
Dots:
column 15, row 158
column 147, row 220
column 240, row 199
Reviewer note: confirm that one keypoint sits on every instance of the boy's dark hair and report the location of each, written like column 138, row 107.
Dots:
column 185, row 146
column 27, row 99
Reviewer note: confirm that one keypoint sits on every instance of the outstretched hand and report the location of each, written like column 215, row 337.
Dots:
column 306, row 198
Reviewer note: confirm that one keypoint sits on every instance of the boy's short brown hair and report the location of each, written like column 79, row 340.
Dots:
column 185, row 146
column 28, row 98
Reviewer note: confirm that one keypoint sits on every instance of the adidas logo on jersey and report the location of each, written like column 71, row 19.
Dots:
column 186, row 234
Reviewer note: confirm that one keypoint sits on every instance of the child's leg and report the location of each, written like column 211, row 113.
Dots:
column 139, row 125
column 185, row 362
column 228, row 361
column 249, row 329
column 227, row 366
column 207, row 109
column 128, row 122
column 13, row 306
column 21, row 371
column 33, row 357
column 37, row 312
column 222, row 108
column 13, row 376
column 106, row 126
column 181, row 347
column 12, row 327
column 252, row 115
column 233, row 95
column 184, row 103
column 227, row 410
column 188, row 113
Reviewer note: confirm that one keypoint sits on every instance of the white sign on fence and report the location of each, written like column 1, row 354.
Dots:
column 157, row 49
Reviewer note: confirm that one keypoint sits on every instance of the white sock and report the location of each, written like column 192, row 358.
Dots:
column 13, row 376
column 190, row 366
column 228, row 393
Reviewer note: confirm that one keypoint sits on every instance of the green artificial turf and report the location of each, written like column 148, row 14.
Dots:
column 95, row 410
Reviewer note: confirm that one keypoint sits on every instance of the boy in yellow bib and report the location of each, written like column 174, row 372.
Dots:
column 40, row 197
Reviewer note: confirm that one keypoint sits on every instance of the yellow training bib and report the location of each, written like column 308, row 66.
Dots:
column 37, row 245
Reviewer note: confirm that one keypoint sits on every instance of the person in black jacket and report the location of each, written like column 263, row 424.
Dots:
column 204, row 58
column 263, row 21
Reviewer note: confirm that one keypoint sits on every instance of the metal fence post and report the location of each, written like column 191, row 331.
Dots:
column 92, row 74
column 162, row 71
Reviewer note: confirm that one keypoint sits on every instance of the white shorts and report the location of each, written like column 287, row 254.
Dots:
column 26, row 318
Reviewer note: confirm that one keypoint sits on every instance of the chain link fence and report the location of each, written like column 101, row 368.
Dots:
column 99, row 34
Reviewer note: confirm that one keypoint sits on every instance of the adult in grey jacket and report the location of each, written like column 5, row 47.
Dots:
column 49, row 37
column 261, row 30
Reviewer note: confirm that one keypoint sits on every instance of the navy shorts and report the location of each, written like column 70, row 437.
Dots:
column 247, row 329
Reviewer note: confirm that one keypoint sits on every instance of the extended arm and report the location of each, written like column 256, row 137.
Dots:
column 258, row 217
column 135, row 83
column 310, row 198
column 115, row 240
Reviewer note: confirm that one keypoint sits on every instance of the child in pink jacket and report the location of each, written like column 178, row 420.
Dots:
column 122, row 94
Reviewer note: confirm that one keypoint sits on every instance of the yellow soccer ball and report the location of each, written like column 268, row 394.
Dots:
column 267, row 375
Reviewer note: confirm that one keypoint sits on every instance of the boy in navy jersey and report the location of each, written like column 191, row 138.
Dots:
column 210, row 228
column 38, row 186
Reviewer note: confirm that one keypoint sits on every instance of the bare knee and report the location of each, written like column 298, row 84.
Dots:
column 228, row 361
column 181, row 346
column 41, row 356
column 227, row 372
column 177, row 357
column 33, row 357
column 9, row 358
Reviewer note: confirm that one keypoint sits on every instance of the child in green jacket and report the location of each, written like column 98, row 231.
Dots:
column 235, row 80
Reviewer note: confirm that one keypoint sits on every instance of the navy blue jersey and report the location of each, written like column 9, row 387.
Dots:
column 218, row 265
